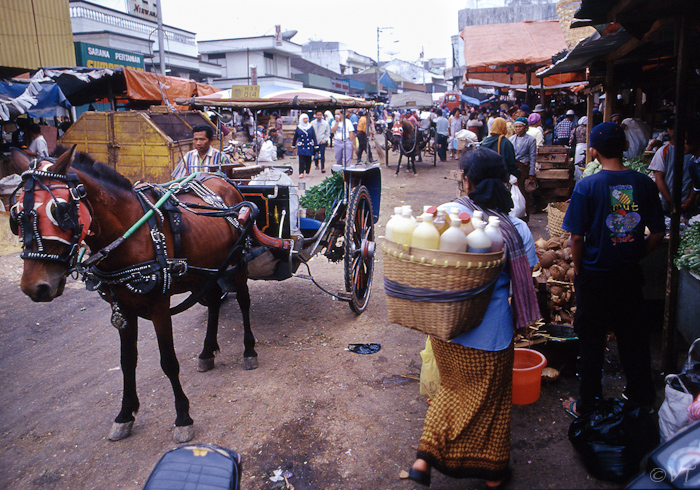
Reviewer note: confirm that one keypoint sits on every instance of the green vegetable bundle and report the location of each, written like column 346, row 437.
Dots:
column 688, row 256
column 637, row 164
column 324, row 194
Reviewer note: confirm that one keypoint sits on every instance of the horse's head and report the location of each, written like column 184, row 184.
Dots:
column 47, row 215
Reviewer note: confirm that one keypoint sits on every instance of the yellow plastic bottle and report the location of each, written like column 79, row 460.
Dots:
column 440, row 222
column 388, row 234
column 426, row 235
column 403, row 229
column 454, row 239
column 467, row 225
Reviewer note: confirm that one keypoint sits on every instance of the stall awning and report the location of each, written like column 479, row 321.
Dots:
column 32, row 98
column 586, row 51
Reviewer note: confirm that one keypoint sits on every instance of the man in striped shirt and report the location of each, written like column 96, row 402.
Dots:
column 204, row 157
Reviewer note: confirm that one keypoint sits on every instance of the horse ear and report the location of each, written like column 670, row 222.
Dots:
column 64, row 161
column 20, row 160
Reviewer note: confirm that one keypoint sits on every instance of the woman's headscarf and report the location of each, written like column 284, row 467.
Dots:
column 304, row 123
column 533, row 118
column 327, row 115
column 498, row 126
column 583, row 121
column 487, row 174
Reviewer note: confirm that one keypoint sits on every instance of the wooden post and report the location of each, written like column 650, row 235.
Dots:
column 542, row 92
column 638, row 103
column 589, row 125
column 668, row 358
column 610, row 94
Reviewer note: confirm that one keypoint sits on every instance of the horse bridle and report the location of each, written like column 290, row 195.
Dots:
column 24, row 218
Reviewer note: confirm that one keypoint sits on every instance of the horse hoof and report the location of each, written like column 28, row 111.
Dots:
column 183, row 434
column 250, row 363
column 205, row 365
column 120, row 431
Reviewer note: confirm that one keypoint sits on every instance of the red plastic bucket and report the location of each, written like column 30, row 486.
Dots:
column 527, row 376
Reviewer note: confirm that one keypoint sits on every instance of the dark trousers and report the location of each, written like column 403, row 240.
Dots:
column 612, row 301
column 320, row 157
column 529, row 196
column 442, row 146
column 304, row 164
column 362, row 145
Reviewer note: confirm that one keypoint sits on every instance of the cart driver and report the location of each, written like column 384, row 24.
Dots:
column 204, row 157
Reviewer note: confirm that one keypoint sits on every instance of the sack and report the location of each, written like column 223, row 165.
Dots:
column 429, row 374
column 679, row 391
column 196, row 466
column 519, row 206
column 673, row 414
column 268, row 152
column 614, row 438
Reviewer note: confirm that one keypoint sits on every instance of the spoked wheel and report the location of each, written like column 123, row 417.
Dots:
column 359, row 248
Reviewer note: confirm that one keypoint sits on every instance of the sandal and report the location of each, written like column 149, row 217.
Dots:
column 570, row 407
column 420, row 477
column 503, row 482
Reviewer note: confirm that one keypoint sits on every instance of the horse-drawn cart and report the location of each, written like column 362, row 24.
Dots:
column 413, row 139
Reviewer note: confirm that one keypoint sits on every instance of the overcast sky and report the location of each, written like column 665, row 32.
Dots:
column 417, row 24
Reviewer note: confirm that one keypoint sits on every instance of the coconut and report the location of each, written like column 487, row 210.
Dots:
column 556, row 290
column 557, row 272
column 547, row 259
column 541, row 243
column 564, row 265
column 549, row 374
column 570, row 275
column 553, row 244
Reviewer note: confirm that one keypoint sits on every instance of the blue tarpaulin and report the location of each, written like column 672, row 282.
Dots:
column 31, row 98
column 470, row 100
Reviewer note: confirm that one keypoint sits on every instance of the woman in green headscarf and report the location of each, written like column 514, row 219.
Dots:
column 497, row 141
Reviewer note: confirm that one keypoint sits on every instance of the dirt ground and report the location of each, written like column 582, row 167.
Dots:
column 333, row 418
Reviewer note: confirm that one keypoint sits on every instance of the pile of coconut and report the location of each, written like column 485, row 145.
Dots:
column 555, row 272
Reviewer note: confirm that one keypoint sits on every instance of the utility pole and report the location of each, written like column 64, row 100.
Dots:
column 379, row 29
column 161, row 37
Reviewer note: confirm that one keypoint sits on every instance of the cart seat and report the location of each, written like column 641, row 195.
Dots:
column 309, row 227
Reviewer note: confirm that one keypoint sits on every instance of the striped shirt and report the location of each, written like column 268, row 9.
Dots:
column 211, row 162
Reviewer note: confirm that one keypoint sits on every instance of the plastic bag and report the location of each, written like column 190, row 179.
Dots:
column 614, row 438
column 268, row 152
column 429, row 374
column 519, row 207
column 679, row 392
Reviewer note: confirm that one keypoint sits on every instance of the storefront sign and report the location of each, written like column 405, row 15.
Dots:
column 94, row 56
column 340, row 85
column 146, row 9
column 245, row 92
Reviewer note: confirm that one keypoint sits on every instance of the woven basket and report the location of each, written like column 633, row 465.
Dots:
column 555, row 217
column 440, row 271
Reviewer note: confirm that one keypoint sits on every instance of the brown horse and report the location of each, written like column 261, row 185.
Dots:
column 96, row 203
column 412, row 143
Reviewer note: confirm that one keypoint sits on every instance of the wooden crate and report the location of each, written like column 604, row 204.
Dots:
column 554, row 174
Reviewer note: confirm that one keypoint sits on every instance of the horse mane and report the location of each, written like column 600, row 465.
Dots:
column 97, row 170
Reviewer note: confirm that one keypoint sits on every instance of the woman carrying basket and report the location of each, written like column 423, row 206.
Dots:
column 466, row 433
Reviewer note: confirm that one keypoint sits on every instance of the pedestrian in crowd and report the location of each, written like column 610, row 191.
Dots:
column 525, row 148
column 579, row 145
column 353, row 118
column 305, row 142
column 323, row 134
column 344, row 135
column 606, row 217
column 396, row 132
column 562, row 131
column 328, row 116
column 248, row 125
column 534, row 121
column 475, row 125
column 442, row 131
column 361, row 130
column 278, row 140
column 204, row 157
column 455, row 127
column 692, row 148
column 498, row 142
column 662, row 166
column 38, row 147
column 466, row 432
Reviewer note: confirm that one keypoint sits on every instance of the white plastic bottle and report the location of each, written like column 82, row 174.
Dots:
column 478, row 242
column 477, row 216
column 453, row 239
column 426, row 235
column 440, row 221
column 391, row 223
column 493, row 231
column 403, row 229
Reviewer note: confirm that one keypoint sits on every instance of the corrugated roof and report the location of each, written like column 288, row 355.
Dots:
column 306, row 66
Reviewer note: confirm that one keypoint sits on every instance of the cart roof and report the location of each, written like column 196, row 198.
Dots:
column 411, row 100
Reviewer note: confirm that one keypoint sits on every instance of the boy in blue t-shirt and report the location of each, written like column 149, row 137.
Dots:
column 606, row 217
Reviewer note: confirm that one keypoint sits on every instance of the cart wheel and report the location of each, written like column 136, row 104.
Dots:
column 359, row 248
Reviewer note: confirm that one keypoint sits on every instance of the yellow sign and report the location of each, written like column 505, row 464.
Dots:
column 245, row 92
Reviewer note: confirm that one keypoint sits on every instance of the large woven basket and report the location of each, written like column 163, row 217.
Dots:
column 555, row 217
column 439, row 271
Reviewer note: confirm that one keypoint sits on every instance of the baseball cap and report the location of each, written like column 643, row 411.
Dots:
column 608, row 138
column 570, row 112
column 525, row 108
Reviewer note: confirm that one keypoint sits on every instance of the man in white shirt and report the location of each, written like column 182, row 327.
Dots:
column 204, row 157
column 323, row 134
column 38, row 147
column 344, row 135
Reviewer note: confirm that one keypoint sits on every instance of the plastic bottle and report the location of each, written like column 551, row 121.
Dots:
column 426, row 235
column 478, row 242
column 493, row 231
column 476, row 217
column 454, row 239
column 467, row 225
column 391, row 223
column 440, row 222
column 410, row 213
column 403, row 229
